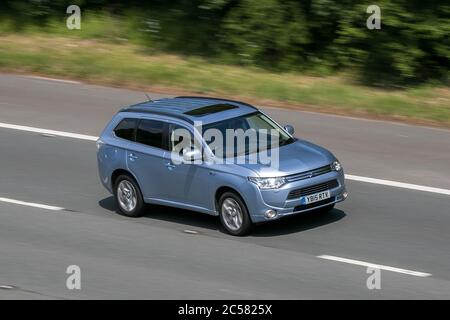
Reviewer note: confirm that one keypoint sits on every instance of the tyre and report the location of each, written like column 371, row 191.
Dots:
column 234, row 215
column 128, row 196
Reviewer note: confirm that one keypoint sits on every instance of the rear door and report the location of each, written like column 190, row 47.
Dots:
column 145, row 158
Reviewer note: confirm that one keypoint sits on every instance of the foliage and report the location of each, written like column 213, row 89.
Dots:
column 314, row 36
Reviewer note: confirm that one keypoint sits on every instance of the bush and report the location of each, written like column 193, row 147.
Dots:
column 315, row 36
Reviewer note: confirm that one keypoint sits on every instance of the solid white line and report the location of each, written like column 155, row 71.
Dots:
column 398, row 184
column 347, row 176
column 377, row 266
column 48, row 132
column 31, row 204
column 54, row 79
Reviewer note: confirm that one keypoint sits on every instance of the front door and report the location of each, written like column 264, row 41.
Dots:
column 188, row 181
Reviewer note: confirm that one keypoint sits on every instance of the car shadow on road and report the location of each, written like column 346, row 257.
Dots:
column 293, row 224
column 185, row 218
column 298, row 223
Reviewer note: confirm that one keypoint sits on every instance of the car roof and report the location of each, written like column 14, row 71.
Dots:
column 192, row 109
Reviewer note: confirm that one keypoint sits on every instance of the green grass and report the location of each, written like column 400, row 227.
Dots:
column 125, row 63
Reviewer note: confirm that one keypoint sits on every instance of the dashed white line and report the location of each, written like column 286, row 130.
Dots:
column 391, row 183
column 31, row 204
column 48, row 132
column 55, row 80
column 398, row 184
column 6, row 287
column 190, row 231
column 374, row 265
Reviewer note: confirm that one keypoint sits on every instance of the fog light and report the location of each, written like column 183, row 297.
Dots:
column 336, row 166
column 270, row 214
column 345, row 195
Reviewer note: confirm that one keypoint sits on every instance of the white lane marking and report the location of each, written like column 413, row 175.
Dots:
column 190, row 231
column 31, row 204
column 54, row 79
column 374, row 265
column 398, row 184
column 48, row 132
column 347, row 176
column 6, row 287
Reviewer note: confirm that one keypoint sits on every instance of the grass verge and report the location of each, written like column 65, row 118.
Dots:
column 125, row 64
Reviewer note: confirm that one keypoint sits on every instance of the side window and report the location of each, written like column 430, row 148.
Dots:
column 126, row 129
column 151, row 133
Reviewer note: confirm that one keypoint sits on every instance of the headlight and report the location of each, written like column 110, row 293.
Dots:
column 336, row 166
column 268, row 183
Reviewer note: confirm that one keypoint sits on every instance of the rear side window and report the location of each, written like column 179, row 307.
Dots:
column 151, row 133
column 126, row 129
column 176, row 139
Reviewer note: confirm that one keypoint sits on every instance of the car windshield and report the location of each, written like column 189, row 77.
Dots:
column 244, row 135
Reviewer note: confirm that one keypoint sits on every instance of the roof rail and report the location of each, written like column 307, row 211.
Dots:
column 158, row 112
column 212, row 98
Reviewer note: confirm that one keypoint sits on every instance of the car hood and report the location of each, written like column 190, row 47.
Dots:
column 299, row 156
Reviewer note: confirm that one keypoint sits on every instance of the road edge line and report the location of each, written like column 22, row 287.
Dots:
column 48, row 132
column 31, row 204
column 397, row 184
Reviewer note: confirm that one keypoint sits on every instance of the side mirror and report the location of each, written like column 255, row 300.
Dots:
column 192, row 155
column 289, row 129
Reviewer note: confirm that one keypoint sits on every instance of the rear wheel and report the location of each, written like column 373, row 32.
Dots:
column 128, row 196
column 234, row 215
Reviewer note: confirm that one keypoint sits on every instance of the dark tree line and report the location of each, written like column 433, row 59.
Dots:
column 321, row 36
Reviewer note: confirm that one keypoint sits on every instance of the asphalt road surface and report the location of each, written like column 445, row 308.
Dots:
column 159, row 257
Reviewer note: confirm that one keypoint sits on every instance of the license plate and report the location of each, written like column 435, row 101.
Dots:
column 315, row 197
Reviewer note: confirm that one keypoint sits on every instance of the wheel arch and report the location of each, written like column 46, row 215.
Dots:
column 118, row 172
column 223, row 189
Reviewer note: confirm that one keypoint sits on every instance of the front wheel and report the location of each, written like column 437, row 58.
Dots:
column 234, row 215
column 128, row 196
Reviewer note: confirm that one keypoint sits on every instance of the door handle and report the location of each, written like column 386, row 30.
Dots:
column 132, row 156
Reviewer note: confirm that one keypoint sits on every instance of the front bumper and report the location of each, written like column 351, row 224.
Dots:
column 263, row 200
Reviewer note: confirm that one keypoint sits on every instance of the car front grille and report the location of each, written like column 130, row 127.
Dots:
column 313, row 205
column 309, row 174
column 297, row 193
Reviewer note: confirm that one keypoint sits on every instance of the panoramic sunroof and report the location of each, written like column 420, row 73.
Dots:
column 210, row 109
